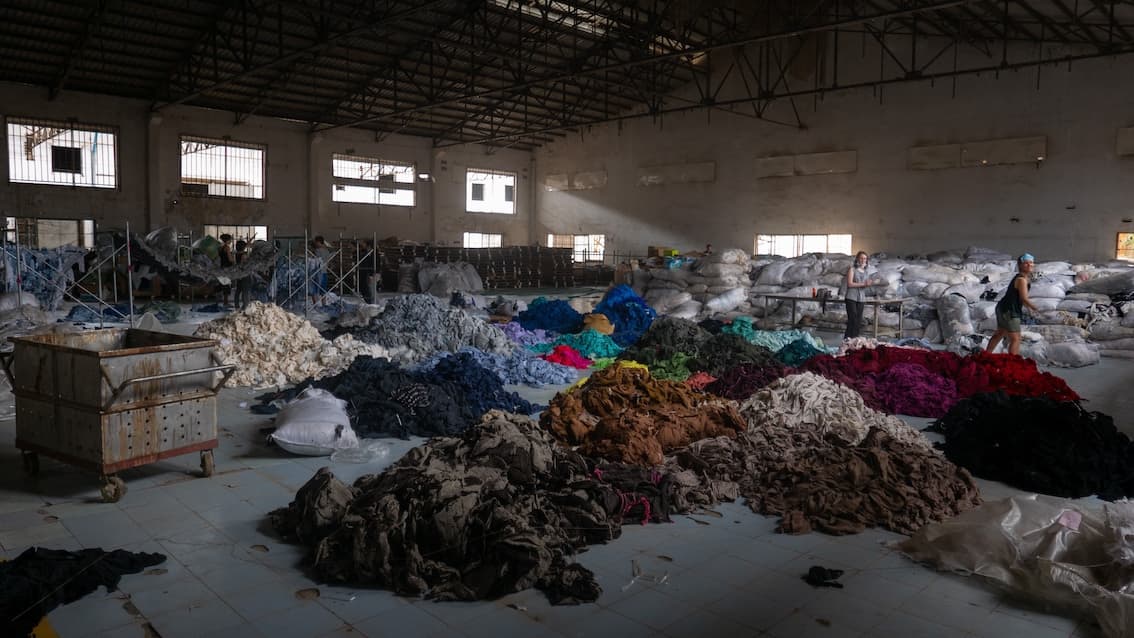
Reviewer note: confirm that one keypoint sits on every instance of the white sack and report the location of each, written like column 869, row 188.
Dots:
column 1070, row 354
column 953, row 312
column 314, row 424
column 727, row 301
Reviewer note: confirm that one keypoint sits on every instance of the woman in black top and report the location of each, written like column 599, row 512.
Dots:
column 226, row 261
column 1010, row 309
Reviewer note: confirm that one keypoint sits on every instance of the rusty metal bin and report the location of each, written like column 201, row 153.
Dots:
column 113, row 399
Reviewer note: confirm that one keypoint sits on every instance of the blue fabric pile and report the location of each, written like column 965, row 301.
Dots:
column 629, row 313
column 520, row 367
column 554, row 315
column 479, row 387
column 796, row 352
column 164, row 311
column 524, row 337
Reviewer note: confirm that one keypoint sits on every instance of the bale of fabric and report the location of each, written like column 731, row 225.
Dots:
column 622, row 414
column 496, row 511
column 553, row 315
column 1039, row 444
column 443, row 279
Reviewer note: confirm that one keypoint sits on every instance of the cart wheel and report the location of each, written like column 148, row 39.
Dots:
column 207, row 466
column 31, row 463
column 113, row 490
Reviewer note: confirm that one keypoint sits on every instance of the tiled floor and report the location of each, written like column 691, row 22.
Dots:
column 229, row 575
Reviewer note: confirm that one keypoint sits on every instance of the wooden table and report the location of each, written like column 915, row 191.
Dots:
column 901, row 301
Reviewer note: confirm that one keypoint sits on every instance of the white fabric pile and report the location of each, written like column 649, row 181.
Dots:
column 714, row 284
column 272, row 347
column 810, row 401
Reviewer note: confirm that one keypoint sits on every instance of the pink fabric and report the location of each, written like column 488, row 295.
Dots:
column 567, row 356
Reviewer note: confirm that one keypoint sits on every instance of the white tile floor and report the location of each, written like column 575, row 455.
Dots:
column 229, row 575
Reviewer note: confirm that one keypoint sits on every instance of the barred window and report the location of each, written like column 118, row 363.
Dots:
column 62, row 153
column 796, row 245
column 222, row 168
column 371, row 180
column 482, row 240
column 246, row 232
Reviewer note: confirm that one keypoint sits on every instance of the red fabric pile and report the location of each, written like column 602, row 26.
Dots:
column 917, row 382
column 699, row 380
column 567, row 356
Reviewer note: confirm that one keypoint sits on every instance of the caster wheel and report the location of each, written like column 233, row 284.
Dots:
column 113, row 490
column 31, row 463
column 207, row 466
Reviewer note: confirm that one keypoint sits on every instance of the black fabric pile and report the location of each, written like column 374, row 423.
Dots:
column 39, row 580
column 387, row 400
column 1039, row 445
column 712, row 326
column 726, row 351
column 481, row 388
column 666, row 337
column 497, row 510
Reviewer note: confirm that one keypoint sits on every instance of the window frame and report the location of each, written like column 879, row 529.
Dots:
column 225, row 142
column 340, row 182
column 67, row 126
column 799, row 241
column 234, row 230
column 1118, row 249
column 576, row 252
column 468, row 233
column 491, row 172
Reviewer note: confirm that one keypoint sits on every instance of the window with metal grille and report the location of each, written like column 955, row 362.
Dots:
column 583, row 247
column 238, row 231
column 62, row 153
column 796, row 245
column 490, row 191
column 38, row 232
column 1125, row 249
column 222, row 168
column 482, row 240
column 370, row 180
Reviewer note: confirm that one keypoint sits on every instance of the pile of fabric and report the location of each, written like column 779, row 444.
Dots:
column 204, row 262
column 496, row 511
column 552, row 315
column 706, row 286
column 1039, row 444
column 272, row 347
column 414, row 327
column 816, row 456
column 629, row 314
column 524, row 337
column 623, row 415
column 927, row 382
column 519, row 367
column 588, row 343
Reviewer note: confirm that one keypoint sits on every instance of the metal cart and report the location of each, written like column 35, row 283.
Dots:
column 113, row 399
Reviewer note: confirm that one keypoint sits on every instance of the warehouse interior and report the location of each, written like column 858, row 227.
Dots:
column 557, row 300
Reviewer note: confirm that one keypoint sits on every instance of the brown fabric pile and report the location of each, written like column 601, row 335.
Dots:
column 820, row 459
column 621, row 414
column 498, row 510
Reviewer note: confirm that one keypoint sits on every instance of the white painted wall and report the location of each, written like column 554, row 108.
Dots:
column 298, row 184
column 1070, row 206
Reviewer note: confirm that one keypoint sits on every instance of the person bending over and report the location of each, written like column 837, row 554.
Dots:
column 1010, row 308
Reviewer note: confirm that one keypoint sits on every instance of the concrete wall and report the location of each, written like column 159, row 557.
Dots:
column 298, row 185
column 1068, row 206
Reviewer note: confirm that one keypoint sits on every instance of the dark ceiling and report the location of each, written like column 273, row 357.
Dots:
column 503, row 72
